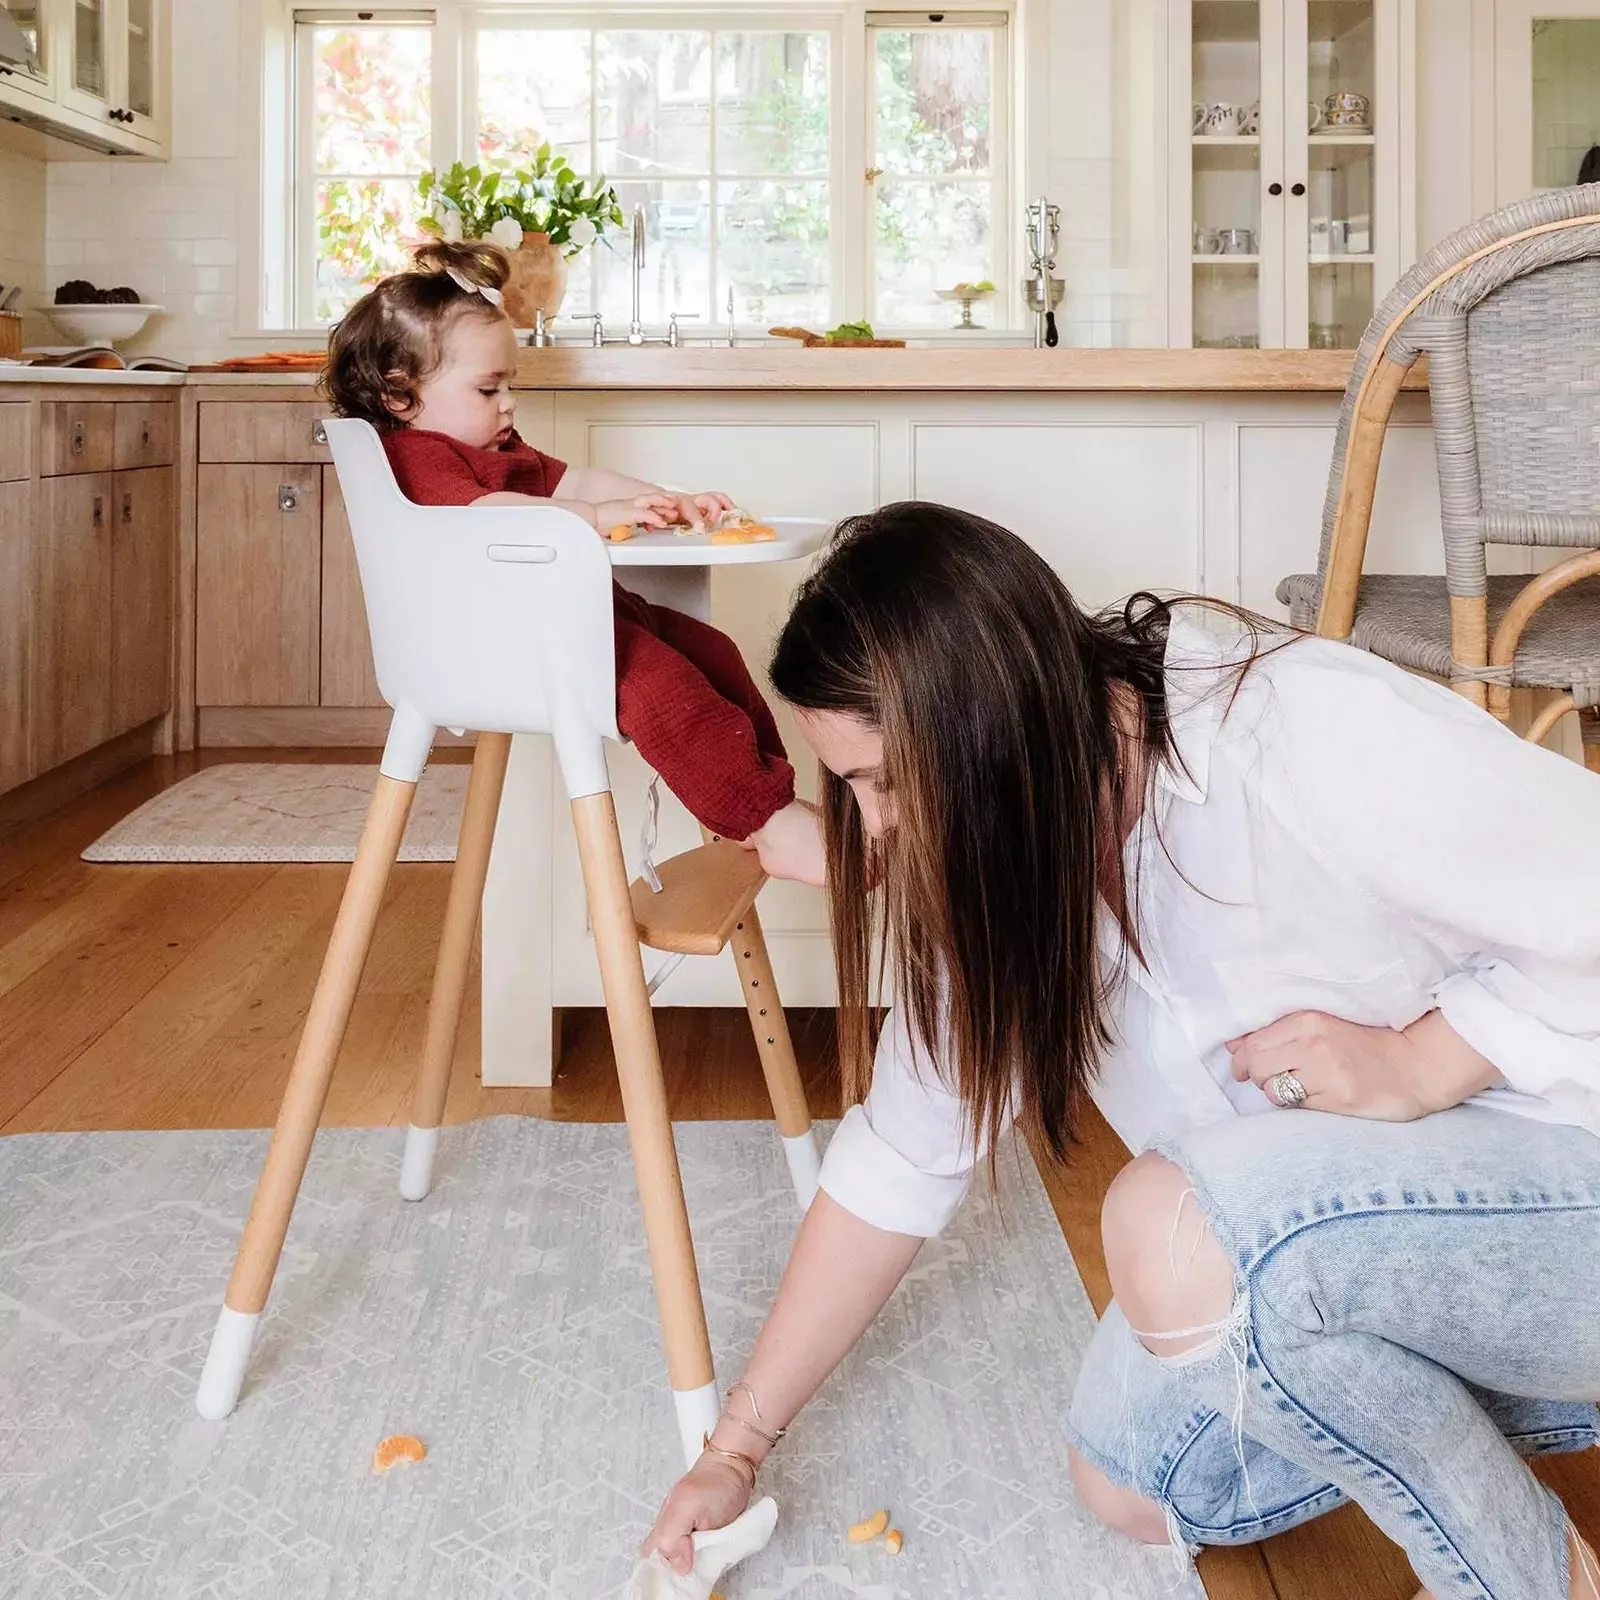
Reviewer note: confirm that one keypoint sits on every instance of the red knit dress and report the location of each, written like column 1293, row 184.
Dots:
column 684, row 695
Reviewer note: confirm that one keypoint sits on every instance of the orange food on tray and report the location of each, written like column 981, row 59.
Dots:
column 622, row 532
column 395, row 1449
column 745, row 533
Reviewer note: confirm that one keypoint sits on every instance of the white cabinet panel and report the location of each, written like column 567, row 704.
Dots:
column 1283, row 472
column 1113, row 507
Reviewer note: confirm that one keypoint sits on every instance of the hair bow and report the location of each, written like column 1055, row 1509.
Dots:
column 462, row 281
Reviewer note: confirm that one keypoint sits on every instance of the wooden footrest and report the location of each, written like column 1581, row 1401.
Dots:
column 703, row 894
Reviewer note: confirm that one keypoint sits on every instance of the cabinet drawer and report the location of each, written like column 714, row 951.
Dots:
column 146, row 433
column 264, row 430
column 16, row 440
column 77, row 436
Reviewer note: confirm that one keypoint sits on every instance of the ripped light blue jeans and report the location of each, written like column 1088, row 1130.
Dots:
column 1417, row 1307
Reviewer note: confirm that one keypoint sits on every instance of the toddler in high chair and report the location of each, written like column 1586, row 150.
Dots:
column 427, row 357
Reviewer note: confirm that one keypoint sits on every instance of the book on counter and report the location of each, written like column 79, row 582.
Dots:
column 101, row 357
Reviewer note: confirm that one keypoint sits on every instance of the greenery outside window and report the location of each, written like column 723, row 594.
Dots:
column 816, row 167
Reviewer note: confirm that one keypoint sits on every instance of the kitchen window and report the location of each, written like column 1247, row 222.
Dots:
column 817, row 167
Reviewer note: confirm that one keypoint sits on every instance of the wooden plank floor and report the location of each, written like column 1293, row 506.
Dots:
column 172, row 997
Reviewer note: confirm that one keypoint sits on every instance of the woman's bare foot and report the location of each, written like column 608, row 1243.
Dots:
column 789, row 843
column 1584, row 1566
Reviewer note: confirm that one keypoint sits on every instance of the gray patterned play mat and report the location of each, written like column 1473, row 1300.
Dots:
column 508, row 1321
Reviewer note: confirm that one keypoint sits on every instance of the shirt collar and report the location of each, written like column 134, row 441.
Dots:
column 1198, row 670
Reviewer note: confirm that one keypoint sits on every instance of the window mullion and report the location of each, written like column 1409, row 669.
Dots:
column 713, row 190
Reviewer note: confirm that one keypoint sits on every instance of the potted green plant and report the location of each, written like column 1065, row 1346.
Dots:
column 542, row 214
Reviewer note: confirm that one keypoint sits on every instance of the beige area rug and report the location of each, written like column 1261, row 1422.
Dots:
column 254, row 811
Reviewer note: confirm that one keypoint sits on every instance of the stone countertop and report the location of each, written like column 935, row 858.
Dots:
column 69, row 376
column 995, row 371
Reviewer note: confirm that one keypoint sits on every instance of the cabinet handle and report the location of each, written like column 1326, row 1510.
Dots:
column 319, row 434
column 80, row 438
column 99, row 511
column 288, row 497
column 127, row 508
column 1274, row 189
column 1298, row 190
column 144, row 434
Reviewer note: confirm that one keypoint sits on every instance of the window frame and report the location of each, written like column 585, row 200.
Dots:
column 755, row 19
column 850, row 25
column 1000, row 20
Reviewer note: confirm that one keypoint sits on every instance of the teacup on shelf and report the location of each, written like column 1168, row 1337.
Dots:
column 1207, row 242
column 1237, row 241
column 1219, row 120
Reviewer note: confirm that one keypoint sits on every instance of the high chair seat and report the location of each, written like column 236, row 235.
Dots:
column 703, row 895
column 499, row 619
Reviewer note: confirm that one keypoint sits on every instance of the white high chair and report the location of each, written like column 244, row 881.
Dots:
column 499, row 619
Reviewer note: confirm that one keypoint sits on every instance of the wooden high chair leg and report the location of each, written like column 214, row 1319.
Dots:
column 455, row 958
column 303, row 1099
column 776, row 1050
column 644, row 1104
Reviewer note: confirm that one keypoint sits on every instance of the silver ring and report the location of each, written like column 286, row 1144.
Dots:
column 1288, row 1090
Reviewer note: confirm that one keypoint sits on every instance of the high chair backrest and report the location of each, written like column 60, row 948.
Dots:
column 494, row 618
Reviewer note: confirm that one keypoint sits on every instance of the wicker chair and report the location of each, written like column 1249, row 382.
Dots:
column 1507, row 311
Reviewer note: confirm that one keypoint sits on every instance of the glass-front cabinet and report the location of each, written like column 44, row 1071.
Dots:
column 36, row 76
column 1547, row 96
column 102, row 63
column 1291, row 134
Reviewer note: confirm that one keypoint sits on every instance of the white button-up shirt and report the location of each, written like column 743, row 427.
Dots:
column 1343, row 837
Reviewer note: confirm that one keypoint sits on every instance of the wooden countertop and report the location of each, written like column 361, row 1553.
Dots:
column 980, row 370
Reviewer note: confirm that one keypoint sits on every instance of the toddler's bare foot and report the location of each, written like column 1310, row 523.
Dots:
column 789, row 843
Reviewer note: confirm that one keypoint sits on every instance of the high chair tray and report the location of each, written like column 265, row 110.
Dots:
column 797, row 537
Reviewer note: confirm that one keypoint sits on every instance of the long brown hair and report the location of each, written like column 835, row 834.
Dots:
column 392, row 339
column 994, row 695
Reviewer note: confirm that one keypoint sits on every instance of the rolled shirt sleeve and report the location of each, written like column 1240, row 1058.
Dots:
column 903, row 1160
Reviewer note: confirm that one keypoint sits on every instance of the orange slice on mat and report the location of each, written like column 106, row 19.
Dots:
column 399, row 1447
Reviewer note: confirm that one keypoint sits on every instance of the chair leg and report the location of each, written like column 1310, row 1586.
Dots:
column 644, row 1104
column 455, row 958
column 776, row 1050
column 298, row 1116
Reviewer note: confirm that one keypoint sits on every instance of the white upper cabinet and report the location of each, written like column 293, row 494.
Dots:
column 100, row 73
column 1291, row 174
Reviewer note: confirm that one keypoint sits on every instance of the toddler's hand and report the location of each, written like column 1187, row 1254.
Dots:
column 695, row 509
column 644, row 511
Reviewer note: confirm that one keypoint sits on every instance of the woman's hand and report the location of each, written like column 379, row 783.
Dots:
column 1387, row 1074
column 709, row 1495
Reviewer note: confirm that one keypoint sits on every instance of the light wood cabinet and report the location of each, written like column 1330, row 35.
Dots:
column 145, row 434
column 77, row 436
column 16, row 596
column 70, row 670
column 258, row 581
column 263, row 430
column 16, row 440
column 348, row 676
column 141, row 596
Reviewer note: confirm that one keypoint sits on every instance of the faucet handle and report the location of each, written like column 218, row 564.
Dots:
column 672, row 324
column 598, row 337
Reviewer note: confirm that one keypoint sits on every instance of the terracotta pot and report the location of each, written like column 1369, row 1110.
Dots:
column 538, row 279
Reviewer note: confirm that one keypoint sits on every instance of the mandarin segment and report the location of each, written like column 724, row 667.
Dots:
column 869, row 1528
column 397, row 1448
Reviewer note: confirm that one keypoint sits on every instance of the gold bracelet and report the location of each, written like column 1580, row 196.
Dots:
column 773, row 1439
column 736, row 1456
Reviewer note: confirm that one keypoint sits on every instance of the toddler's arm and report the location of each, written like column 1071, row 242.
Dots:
column 654, row 510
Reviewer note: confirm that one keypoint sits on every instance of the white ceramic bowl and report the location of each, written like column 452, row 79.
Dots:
column 102, row 324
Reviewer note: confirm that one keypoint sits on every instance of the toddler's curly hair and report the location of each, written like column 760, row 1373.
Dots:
column 392, row 338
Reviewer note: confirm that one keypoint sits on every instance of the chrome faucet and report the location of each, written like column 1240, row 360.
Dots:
column 636, row 326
